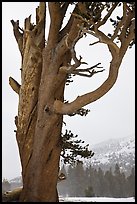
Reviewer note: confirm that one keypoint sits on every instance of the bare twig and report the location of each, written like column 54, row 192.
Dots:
column 94, row 43
column 94, row 66
column 103, row 39
column 81, row 72
column 91, row 73
column 107, row 15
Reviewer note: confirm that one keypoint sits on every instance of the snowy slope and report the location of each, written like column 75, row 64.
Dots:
column 110, row 152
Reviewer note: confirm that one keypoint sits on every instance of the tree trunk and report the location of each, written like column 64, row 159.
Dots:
column 40, row 160
column 38, row 127
column 40, row 179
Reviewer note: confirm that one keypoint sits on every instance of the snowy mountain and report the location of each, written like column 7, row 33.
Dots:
column 16, row 180
column 110, row 152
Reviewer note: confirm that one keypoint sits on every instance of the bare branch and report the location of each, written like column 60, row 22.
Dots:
column 87, row 69
column 91, row 73
column 71, row 69
column 56, row 16
column 114, row 49
column 63, row 8
column 39, row 29
column 68, row 41
column 66, row 29
column 28, row 25
column 73, row 53
column 120, row 24
column 77, row 62
column 81, row 72
column 18, row 35
column 35, row 33
column 107, row 15
column 14, row 85
column 94, row 43
column 40, row 12
column 104, row 39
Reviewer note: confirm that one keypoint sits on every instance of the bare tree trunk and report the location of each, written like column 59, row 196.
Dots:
column 41, row 172
column 38, row 126
column 40, row 178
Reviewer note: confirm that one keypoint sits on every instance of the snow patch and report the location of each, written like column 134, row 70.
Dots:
column 95, row 199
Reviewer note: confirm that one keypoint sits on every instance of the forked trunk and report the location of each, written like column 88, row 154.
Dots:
column 38, row 127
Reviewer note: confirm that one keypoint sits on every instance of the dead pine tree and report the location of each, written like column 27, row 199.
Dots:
column 46, row 68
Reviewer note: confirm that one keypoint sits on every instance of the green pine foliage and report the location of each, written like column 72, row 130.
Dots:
column 73, row 150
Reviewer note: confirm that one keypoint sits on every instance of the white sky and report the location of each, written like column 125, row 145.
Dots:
column 112, row 116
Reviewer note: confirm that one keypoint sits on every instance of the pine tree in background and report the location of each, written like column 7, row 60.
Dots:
column 97, row 182
column 131, row 184
column 108, row 176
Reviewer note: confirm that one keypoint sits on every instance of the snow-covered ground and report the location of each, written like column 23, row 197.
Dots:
column 95, row 199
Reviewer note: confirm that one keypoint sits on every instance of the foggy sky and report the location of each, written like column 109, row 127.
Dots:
column 112, row 116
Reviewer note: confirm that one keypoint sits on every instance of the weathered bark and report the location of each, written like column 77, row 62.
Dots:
column 38, row 132
column 44, row 73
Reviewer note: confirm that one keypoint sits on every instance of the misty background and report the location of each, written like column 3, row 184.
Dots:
column 112, row 116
